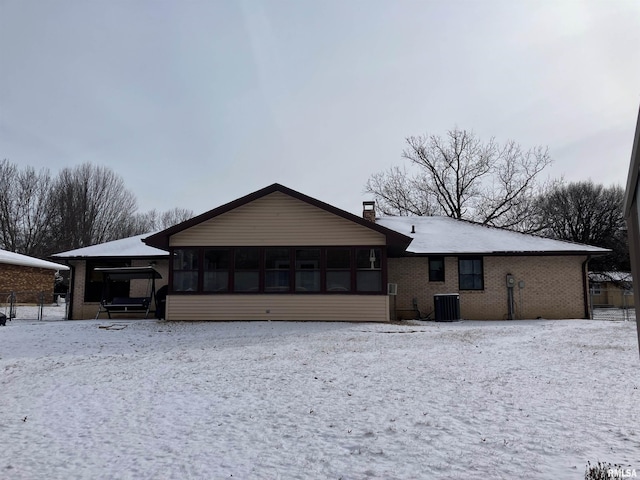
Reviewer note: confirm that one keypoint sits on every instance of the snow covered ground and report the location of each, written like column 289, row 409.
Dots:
column 142, row 399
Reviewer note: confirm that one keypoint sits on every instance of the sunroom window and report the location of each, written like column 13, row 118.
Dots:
column 216, row 270
column 210, row 270
column 246, row 270
column 185, row 270
column 276, row 269
column 369, row 270
column 338, row 271
column 308, row 270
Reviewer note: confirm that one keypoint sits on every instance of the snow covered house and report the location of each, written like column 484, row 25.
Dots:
column 27, row 277
column 277, row 254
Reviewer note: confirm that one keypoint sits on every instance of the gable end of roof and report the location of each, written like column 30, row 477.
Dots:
column 395, row 240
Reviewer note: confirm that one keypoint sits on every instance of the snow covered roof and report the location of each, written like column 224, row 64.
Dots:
column 12, row 258
column 126, row 247
column 610, row 276
column 444, row 235
column 433, row 235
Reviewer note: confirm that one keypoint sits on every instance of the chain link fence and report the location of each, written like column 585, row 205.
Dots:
column 33, row 305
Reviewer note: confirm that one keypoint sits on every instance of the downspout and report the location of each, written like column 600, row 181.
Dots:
column 585, row 287
column 69, row 298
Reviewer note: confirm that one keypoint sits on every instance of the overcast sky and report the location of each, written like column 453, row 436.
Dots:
column 196, row 103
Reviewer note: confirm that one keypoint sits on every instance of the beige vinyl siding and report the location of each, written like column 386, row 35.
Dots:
column 350, row 308
column 277, row 220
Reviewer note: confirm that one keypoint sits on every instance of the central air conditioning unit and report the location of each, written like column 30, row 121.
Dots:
column 392, row 289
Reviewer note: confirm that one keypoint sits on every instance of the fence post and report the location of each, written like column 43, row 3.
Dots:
column 67, row 300
column 41, row 305
column 12, row 305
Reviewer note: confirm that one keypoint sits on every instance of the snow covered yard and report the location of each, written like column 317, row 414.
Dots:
column 266, row 400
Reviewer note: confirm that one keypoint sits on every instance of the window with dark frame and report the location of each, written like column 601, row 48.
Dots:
column 246, row 270
column 307, row 270
column 216, row 270
column 470, row 273
column 185, row 269
column 368, row 270
column 436, row 269
column 277, row 270
column 338, row 270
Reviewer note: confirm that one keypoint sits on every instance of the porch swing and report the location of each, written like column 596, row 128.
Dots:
column 121, row 304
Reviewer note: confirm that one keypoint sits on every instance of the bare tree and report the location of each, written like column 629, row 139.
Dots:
column 92, row 206
column 82, row 206
column 589, row 213
column 8, row 229
column 152, row 220
column 25, row 209
column 174, row 216
column 462, row 177
column 397, row 193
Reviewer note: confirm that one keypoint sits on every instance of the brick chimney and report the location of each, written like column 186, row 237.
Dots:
column 369, row 211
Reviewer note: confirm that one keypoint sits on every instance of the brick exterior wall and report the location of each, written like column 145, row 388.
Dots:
column 140, row 288
column 553, row 287
column 79, row 310
column 27, row 283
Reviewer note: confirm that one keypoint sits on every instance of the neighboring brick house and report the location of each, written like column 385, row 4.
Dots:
column 611, row 289
column 277, row 254
column 29, row 279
